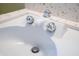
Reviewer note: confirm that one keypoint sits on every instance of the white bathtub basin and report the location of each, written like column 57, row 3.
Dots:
column 19, row 40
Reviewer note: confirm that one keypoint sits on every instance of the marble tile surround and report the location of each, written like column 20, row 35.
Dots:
column 68, row 11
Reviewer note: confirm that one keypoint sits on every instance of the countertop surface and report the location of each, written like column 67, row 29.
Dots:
column 15, row 14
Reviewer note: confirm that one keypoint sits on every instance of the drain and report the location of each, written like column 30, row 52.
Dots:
column 35, row 50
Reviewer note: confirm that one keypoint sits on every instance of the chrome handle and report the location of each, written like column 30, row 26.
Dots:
column 51, row 27
column 30, row 19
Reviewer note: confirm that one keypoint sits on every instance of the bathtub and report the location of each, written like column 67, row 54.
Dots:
column 17, row 38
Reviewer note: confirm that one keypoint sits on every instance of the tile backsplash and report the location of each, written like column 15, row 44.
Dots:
column 68, row 11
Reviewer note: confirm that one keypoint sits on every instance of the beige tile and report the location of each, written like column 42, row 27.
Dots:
column 68, row 11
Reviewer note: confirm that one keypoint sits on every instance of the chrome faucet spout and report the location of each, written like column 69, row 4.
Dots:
column 47, row 13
